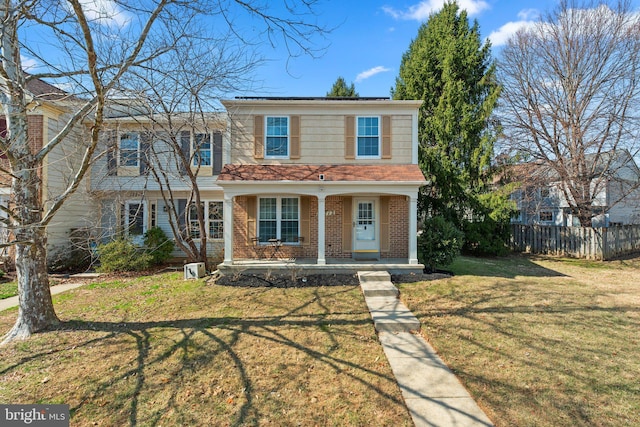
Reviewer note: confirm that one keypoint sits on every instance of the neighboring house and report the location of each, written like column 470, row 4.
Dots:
column 139, row 178
column 615, row 184
column 48, row 112
column 321, row 179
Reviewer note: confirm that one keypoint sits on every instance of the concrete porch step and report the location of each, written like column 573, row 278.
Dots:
column 377, row 284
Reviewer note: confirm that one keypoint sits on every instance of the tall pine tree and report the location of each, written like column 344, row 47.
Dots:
column 449, row 67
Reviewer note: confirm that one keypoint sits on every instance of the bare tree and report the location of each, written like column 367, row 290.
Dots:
column 570, row 97
column 177, row 101
column 89, row 46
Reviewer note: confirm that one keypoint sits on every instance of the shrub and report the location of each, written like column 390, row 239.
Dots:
column 158, row 245
column 69, row 259
column 122, row 255
column 439, row 243
column 489, row 233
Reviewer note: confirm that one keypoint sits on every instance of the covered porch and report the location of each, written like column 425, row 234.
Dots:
column 323, row 218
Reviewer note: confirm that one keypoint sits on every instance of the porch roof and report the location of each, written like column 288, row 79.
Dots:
column 324, row 173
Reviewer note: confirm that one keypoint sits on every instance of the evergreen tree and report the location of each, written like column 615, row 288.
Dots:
column 449, row 67
column 341, row 90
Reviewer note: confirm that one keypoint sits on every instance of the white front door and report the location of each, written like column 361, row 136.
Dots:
column 366, row 226
column 135, row 217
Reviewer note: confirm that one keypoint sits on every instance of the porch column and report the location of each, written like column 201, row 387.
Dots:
column 413, row 230
column 228, row 229
column 321, row 221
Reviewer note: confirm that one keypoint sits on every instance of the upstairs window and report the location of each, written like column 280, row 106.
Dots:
column 129, row 146
column 202, row 149
column 368, row 137
column 546, row 216
column 277, row 137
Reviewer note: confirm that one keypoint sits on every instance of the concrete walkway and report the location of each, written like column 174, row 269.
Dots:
column 13, row 301
column 432, row 393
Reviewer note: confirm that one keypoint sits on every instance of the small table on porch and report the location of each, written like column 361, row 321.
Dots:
column 276, row 244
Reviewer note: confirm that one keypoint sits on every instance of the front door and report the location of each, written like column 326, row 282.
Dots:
column 135, row 217
column 366, row 228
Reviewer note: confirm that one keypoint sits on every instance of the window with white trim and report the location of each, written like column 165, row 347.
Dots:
column 128, row 147
column 277, row 137
column 201, row 147
column 213, row 211
column 279, row 218
column 216, row 220
column 368, row 137
column 135, row 220
column 545, row 216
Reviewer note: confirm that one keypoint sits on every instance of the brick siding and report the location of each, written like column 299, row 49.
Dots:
column 334, row 209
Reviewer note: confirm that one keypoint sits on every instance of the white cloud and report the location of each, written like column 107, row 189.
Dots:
column 107, row 12
column 500, row 36
column 422, row 10
column 29, row 64
column 528, row 14
column 371, row 72
column 528, row 18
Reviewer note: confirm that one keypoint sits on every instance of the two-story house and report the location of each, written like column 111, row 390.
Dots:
column 614, row 188
column 147, row 173
column 49, row 110
column 320, row 179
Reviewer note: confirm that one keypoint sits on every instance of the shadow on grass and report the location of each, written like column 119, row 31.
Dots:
column 537, row 354
column 198, row 342
column 507, row 267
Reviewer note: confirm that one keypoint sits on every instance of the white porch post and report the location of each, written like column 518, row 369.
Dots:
column 413, row 230
column 321, row 233
column 228, row 229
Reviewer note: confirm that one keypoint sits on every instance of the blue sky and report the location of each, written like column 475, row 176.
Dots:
column 367, row 46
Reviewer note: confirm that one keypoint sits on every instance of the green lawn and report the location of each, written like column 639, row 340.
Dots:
column 8, row 289
column 163, row 351
column 539, row 342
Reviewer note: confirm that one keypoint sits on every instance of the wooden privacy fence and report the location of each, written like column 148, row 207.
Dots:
column 578, row 242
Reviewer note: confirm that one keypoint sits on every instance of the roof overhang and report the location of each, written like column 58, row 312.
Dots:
column 321, row 179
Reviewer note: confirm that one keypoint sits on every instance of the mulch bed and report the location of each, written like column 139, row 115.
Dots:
column 287, row 281
column 312, row 280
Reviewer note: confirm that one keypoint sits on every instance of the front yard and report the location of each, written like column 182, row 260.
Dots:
column 538, row 342
column 162, row 351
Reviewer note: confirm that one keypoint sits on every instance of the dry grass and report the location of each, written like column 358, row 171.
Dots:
column 162, row 351
column 539, row 342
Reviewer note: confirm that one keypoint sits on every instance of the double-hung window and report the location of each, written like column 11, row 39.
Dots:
column 129, row 146
column 368, row 137
column 214, row 225
column 202, row 149
column 194, row 223
column 279, row 218
column 546, row 216
column 277, row 137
